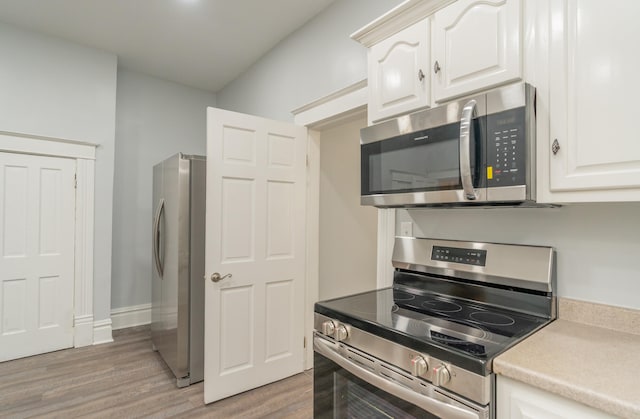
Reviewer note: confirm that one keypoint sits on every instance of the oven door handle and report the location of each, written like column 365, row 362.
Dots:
column 468, row 112
column 433, row 406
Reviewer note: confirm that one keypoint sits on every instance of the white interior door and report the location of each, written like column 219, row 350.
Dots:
column 256, row 186
column 37, row 212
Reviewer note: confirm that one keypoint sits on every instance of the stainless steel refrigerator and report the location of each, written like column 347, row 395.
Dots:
column 177, row 310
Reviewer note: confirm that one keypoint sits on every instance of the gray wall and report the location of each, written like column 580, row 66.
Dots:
column 597, row 245
column 154, row 120
column 314, row 61
column 53, row 88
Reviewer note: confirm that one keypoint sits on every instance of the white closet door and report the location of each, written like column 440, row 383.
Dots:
column 37, row 212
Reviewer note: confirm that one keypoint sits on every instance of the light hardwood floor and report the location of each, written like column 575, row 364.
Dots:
column 126, row 379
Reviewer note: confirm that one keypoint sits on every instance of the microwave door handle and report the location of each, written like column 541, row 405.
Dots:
column 330, row 350
column 468, row 112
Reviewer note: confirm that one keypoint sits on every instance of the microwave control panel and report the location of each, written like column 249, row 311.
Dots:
column 506, row 148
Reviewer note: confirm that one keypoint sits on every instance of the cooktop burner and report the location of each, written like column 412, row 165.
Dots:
column 403, row 296
column 441, row 306
column 492, row 319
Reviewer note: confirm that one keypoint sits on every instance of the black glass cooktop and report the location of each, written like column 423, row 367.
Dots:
column 474, row 315
column 468, row 333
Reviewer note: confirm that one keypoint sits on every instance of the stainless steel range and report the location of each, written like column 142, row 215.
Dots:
column 425, row 347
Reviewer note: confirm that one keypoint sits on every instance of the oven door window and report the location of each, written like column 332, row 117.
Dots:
column 422, row 161
column 340, row 394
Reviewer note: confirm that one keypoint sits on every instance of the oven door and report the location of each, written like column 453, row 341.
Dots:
column 350, row 384
column 441, row 160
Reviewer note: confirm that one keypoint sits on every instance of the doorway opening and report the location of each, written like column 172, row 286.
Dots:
column 347, row 231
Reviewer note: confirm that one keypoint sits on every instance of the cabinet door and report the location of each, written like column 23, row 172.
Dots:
column 476, row 45
column 398, row 76
column 594, row 91
column 516, row 400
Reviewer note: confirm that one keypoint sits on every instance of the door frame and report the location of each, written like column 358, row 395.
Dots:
column 84, row 155
column 331, row 110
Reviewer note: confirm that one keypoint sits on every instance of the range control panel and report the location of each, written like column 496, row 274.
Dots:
column 506, row 148
column 454, row 254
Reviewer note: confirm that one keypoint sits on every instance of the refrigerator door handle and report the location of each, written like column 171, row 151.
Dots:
column 156, row 238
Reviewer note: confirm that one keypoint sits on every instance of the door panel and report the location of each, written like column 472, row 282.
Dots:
column 254, row 320
column 280, row 305
column 398, row 72
column 50, row 184
column 593, row 102
column 280, row 217
column 237, row 329
column 476, row 45
column 14, row 306
column 15, row 200
column 238, row 220
column 37, row 213
column 48, row 300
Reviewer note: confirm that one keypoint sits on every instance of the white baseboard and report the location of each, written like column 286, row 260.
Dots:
column 83, row 333
column 131, row 316
column 102, row 332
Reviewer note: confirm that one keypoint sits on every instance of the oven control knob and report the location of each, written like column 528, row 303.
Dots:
column 341, row 333
column 328, row 328
column 440, row 375
column 419, row 366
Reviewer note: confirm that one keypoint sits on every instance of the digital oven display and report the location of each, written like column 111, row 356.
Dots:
column 457, row 255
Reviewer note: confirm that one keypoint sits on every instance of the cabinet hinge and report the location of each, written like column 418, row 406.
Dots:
column 307, row 157
column 75, row 181
column 304, row 342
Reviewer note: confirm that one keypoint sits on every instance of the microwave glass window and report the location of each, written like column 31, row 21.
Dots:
column 427, row 160
column 422, row 167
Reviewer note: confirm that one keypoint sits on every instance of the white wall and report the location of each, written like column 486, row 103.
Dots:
column 314, row 61
column 348, row 231
column 597, row 245
column 53, row 88
column 154, row 120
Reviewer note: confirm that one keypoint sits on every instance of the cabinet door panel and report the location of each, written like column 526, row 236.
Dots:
column 516, row 400
column 593, row 99
column 476, row 46
column 395, row 84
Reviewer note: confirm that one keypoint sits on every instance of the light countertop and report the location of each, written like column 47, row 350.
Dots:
column 590, row 354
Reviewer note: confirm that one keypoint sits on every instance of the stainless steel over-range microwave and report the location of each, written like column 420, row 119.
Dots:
column 479, row 150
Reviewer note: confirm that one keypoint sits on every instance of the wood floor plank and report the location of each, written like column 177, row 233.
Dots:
column 127, row 379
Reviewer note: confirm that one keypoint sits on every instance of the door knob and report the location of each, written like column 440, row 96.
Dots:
column 216, row 277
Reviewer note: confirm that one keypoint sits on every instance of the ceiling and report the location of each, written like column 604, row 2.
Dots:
column 200, row 43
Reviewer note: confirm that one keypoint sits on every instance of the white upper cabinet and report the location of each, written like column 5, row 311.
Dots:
column 476, row 45
column 593, row 103
column 399, row 79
